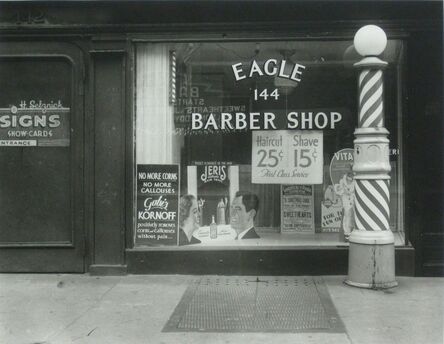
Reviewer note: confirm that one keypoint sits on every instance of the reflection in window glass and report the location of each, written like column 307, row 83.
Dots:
column 205, row 107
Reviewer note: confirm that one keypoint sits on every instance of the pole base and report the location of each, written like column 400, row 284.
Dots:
column 372, row 286
column 371, row 260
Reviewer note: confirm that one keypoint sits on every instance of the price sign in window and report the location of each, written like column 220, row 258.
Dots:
column 287, row 157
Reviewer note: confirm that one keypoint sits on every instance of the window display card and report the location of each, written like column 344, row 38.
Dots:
column 331, row 217
column 287, row 157
column 157, row 205
column 297, row 209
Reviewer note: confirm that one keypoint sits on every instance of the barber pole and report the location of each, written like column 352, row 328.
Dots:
column 172, row 77
column 371, row 105
column 372, row 200
column 371, row 253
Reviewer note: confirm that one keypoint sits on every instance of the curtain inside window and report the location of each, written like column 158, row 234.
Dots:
column 156, row 141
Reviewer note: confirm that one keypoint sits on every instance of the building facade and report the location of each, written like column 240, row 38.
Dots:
column 128, row 129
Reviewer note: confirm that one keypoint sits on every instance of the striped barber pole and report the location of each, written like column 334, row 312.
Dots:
column 371, row 106
column 372, row 199
column 172, row 77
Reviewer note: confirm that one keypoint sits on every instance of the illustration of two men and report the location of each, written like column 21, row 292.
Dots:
column 243, row 210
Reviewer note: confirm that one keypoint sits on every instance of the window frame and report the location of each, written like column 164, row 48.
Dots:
column 258, row 35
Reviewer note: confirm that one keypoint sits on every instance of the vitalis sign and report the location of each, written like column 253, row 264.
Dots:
column 296, row 119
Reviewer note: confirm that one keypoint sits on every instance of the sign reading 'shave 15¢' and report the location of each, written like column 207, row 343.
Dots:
column 287, row 157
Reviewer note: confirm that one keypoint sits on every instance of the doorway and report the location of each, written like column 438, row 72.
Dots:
column 41, row 158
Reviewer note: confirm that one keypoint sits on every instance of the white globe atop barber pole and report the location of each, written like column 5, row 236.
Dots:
column 370, row 40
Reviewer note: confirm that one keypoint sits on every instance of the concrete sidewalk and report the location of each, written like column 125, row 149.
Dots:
column 42, row 308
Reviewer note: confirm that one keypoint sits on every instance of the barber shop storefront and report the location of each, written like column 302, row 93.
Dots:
column 200, row 142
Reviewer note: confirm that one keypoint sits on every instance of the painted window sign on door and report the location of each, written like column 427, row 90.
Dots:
column 35, row 123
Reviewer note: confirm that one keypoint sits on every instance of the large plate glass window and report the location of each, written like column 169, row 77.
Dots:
column 234, row 135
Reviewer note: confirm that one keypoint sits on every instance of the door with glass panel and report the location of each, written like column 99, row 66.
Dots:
column 41, row 158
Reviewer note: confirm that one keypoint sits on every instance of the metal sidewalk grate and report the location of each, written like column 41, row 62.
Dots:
column 247, row 304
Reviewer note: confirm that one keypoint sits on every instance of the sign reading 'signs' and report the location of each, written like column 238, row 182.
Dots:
column 35, row 123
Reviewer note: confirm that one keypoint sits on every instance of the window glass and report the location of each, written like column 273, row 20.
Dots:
column 35, row 153
column 274, row 121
